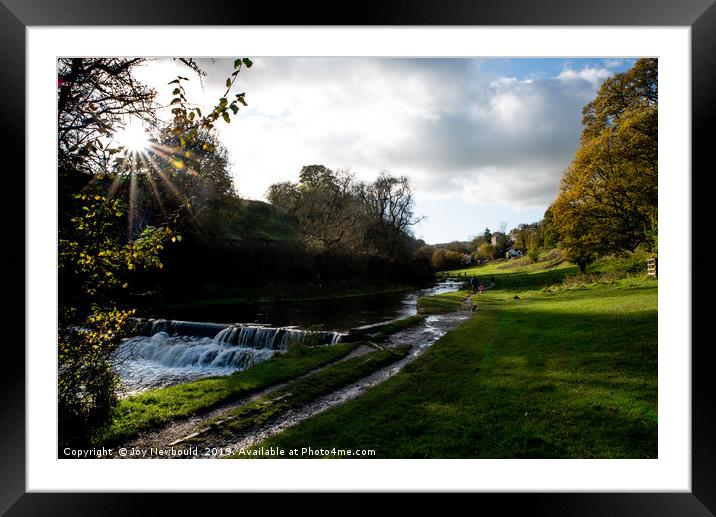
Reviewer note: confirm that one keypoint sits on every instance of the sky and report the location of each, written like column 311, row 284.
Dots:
column 483, row 142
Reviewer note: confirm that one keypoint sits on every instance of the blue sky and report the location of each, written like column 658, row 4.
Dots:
column 483, row 141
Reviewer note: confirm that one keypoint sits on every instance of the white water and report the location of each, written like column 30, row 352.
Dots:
column 172, row 352
column 162, row 360
column 410, row 302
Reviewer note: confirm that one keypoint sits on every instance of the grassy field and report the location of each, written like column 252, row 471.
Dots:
column 542, row 370
column 157, row 407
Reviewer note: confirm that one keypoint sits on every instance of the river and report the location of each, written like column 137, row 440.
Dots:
column 240, row 336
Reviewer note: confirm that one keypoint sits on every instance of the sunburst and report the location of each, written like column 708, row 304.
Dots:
column 133, row 138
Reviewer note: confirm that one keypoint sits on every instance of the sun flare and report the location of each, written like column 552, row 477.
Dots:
column 133, row 138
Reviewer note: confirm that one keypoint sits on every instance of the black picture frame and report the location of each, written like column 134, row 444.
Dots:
column 16, row 15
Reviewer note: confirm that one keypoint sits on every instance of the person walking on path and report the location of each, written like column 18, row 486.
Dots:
column 474, row 283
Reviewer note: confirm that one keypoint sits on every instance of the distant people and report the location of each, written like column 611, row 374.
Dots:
column 474, row 283
column 492, row 281
column 481, row 288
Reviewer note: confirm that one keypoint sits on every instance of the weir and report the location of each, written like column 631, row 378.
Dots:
column 172, row 351
column 243, row 335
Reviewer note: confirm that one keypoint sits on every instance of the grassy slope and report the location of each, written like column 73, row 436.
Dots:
column 565, row 372
column 260, row 220
column 154, row 408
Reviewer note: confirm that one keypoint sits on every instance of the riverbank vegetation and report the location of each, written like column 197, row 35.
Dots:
column 541, row 370
column 154, row 408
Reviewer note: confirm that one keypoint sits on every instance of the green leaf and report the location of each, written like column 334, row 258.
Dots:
column 248, row 62
column 227, row 119
column 234, row 108
column 198, row 111
column 175, row 81
column 228, row 82
column 176, row 91
column 237, row 63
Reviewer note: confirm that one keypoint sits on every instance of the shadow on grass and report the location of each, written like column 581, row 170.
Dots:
column 516, row 381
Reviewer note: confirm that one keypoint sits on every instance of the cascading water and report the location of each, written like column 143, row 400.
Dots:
column 173, row 351
column 169, row 352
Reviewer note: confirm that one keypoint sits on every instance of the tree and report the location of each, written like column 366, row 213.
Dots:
column 96, row 253
column 193, row 196
column 548, row 230
column 93, row 96
column 487, row 251
column 608, row 197
column 389, row 202
column 326, row 206
column 444, row 259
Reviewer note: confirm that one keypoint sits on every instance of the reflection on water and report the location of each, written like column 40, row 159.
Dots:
column 339, row 314
column 174, row 352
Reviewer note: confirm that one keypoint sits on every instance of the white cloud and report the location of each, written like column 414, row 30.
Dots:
column 591, row 74
column 456, row 130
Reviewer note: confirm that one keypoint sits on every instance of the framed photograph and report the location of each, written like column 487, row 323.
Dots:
column 421, row 242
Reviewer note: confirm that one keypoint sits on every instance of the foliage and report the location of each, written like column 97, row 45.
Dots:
column 353, row 229
column 86, row 379
column 548, row 230
column 94, row 263
column 443, row 259
column 487, row 251
column 93, row 97
column 102, row 242
column 189, row 120
column 389, row 203
column 608, row 198
column 527, row 236
column 326, row 206
column 93, row 258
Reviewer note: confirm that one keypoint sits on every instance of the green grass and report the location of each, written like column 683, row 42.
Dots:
column 566, row 373
column 550, row 269
column 157, row 407
column 305, row 390
column 259, row 220
column 442, row 303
